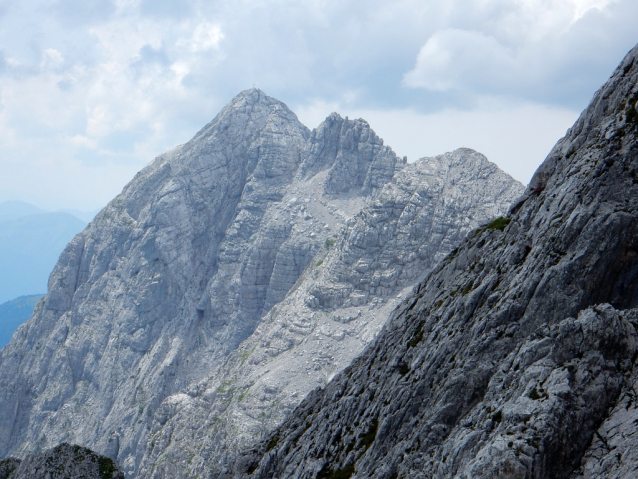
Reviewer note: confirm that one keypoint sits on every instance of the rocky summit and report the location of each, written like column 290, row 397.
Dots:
column 233, row 274
column 516, row 357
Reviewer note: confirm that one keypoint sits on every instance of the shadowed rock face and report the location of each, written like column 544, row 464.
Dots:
column 515, row 352
column 147, row 305
column 8, row 466
column 62, row 462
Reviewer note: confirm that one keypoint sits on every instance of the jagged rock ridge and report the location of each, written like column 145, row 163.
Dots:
column 179, row 269
column 516, row 357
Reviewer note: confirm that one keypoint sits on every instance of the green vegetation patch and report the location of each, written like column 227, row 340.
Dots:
column 416, row 339
column 403, row 369
column 468, row 287
column 533, row 394
column 498, row 224
column 225, row 387
column 536, row 395
column 329, row 242
column 106, row 467
column 497, row 416
column 272, row 443
column 343, row 473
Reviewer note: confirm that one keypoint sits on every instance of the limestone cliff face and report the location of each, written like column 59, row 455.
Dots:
column 232, row 275
column 515, row 357
column 356, row 156
column 127, row 320
column 175, row 272
column 337, row 307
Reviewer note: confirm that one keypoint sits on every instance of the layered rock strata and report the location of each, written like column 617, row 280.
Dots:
column 515, row 357
column 337, row 306
column 146, row 305
column 176, row 271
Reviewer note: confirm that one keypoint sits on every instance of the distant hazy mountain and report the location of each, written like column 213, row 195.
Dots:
column 12, row 210
column 29, row 248
column 14, row 313
column 31, row 241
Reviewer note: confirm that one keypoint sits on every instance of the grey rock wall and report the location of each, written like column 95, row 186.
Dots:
column 356, row 156
column 337, row 307
column 174, row 274
column 515, row 357
column 233, row 275
column 127, row 319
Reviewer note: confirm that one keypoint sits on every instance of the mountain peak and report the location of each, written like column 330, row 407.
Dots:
column 254, row 96
column 516, row 356
column 192, row 257
column 249, row 111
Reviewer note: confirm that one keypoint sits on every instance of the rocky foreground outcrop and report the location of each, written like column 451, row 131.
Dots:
column 65, row 461
column 145, row 306
column 516, row 357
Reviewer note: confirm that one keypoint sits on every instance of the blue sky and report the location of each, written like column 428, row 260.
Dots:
column 92, row 90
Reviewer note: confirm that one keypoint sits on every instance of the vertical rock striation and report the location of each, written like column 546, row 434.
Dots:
column 515, row 357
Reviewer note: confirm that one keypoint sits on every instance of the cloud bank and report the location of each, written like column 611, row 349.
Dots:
column 92, row 90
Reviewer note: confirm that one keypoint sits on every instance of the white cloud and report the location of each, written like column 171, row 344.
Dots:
column 51, row 59
column 524, row 49
column 206, row 36
column 99, row 88
column 452, row 59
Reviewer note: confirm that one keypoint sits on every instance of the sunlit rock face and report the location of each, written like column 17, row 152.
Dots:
column 515, row 357
column 257, row 234
column 336, row 307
